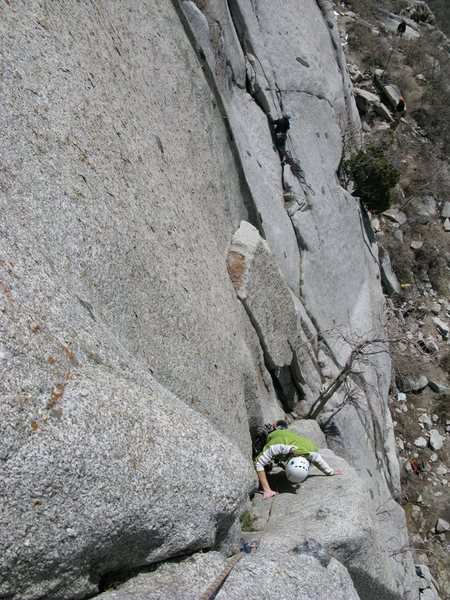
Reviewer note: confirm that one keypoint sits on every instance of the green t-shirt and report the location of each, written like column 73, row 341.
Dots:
column 287, row 437
column 290, row 438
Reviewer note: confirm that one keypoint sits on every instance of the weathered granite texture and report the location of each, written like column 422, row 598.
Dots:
column 119, row 196
column 255, row 576
column 296, row 64
column 130, row 368
column 98, row 485
column 338, row 513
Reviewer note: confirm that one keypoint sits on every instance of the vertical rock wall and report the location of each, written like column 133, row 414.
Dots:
column 295, row 63
column 135, row 141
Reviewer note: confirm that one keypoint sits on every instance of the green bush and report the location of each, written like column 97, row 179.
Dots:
column 373, row 177
column 247, row 521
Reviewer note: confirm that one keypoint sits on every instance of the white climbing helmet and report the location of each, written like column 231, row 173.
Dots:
column 297, row 469
column 289, row 115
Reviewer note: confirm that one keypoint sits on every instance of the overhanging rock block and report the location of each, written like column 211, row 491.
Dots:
column 337, row 512
column 114, row 485
column 261, row 287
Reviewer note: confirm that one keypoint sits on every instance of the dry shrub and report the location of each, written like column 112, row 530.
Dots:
column 373, row 49
column 444, row 363
column 431, row 258
column 441, row 408
column 402, row 259
column 432, row 111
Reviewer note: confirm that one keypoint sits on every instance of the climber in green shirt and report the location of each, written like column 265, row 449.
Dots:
column 296, row 450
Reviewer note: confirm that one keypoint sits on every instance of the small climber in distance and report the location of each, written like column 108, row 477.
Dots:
column 401, row 106
column 401, row 28
column 400, row 111
column 280, row 129
column 297, row 451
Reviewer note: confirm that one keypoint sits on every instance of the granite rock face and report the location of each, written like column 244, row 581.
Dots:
column 337, row 512
column 254, row 576
column 119, row 324
column 136, row 140
column 90, row 493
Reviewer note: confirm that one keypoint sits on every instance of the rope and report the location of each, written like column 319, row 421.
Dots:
column 211, row 591
column 215, row 585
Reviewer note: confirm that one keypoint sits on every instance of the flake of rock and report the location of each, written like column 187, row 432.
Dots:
column 442, row 526
column 444, row 482
column 419, row 499
column 400, row 444
column 401, row 397
column 365, row 99
column 434, row 418
column 390, row 91
column 414, row 327
column 436, row 440
column 253, row 267
column 433, row 457
column 375, row 225
column 426, row 421
column 425, row 207
column 423, row 558
column 420, row 442
column 411, row 383
column 357, row 77
column 442, row 470
column 379, row 128
column 396, row 215
column 437, row 387
column 399, row 235
column 447, row 225
column 445, row 214
column 388, row 277
column 441, row 327
column 423, row 584
column 429, row 344
column 435, row 308
column 428, row 594
column 416, row 245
